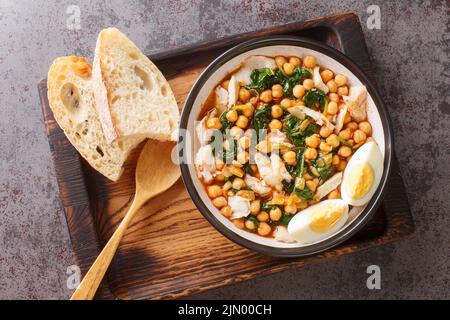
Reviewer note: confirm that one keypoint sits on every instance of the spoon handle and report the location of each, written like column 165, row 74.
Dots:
column 88, row 287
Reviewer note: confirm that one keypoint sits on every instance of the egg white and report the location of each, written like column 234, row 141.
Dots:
column 300, row 230
column 368, row 153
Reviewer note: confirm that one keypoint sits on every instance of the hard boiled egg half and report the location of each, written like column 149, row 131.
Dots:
column 318, row 221
column 362, row 175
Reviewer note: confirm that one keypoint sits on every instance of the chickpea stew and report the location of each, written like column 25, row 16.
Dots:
column 275, row 142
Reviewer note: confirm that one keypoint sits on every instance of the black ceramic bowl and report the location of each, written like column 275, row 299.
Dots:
column 272, row 46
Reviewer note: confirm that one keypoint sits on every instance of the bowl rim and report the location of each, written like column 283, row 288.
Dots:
column 376, row 199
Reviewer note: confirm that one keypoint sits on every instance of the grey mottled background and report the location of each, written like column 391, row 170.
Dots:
column 411, row 53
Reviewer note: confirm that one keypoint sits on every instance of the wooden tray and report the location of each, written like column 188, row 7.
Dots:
column 170, row 250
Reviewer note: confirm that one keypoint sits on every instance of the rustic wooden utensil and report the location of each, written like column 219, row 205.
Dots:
column 155, row 173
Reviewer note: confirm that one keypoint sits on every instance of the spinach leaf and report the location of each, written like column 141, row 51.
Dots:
column 316, row 99
column 224, row 121
column 261, row 79
column 304, row 194
column 289, row 186
column 297, row 77
column 285, row 219
column 246, row 168
column 292, row 130
column 261, row 119
column 267, row 207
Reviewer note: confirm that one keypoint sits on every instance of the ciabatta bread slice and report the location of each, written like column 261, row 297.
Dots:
column 71, row 99
column 132, row 96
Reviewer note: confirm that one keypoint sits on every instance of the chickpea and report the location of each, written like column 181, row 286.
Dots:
column 220, row 202
column 262, row 216
column 335, row 194
column 226, row 211
column 237, row 171
column 309, row 62
column 239, row 223
column 255, row 206
column 231, row 193
column 264, row 229
column 359, row 136
column 312, row 185
column 333, row 97
column 219, row 177
column 345, row 134
column 290, row 208
column 250, row 225
column 288, row 68
column 352, row 126
column 295, row 61
column 333, row 141
column 332, row 107
column 264, row 146
column 325, row 147
column 347, row 118
column 335, row 160
column 214, row 191
column 232, row 115
column 247, row 109
column 286, row 103
column 342, row 91
column 326, row 75
column 275, row 125
column 236, row 132
column 213, row 123
column 275, row 214
column 313, row 141
column 290, row 158
column 345, row 151
column 238, row 183
column 225, row 84
column 325, row 131
column 310, row 153
column 242, row 157
column 341, row 166
column 266, row 96
column 242, row 122
column 277, row 91
column 308, row 84
column 351, row 142
column 227, row 186
column 280, row 61
column 341, row 80
column 244, row 142
column 244, row 95
column 276, row 111
column 366, row 127
column 298, row 103
column 332, row 86
column 299, row 91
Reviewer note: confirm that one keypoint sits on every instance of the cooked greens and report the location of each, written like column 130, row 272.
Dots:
column 261, row 119
column 316, row 99
column 296, row 131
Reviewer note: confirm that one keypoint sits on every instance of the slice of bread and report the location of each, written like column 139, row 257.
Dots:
column 71, row 99
column 132, row 96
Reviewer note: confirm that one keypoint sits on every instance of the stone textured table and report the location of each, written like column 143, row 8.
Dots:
column 410, row 52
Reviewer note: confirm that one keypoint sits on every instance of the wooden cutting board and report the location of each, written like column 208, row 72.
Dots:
column 170, row 250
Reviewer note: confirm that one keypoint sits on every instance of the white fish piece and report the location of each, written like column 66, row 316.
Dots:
column 318, row 82
column 205, row 163
column 340, row 119
column 250, row 64
column 272, row 170
column 278, row 140
column 257, row 185
column 317, row 116
column 204, row 134
column 233, row 91
column 281, row 234
column 329, row 185
column 221, row 100
column 357, row 102
column 240, row 207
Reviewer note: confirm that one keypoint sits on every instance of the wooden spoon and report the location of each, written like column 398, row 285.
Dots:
column 155, row 173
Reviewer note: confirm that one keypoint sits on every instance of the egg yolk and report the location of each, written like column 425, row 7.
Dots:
column 325, row 217
column 360, row 180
